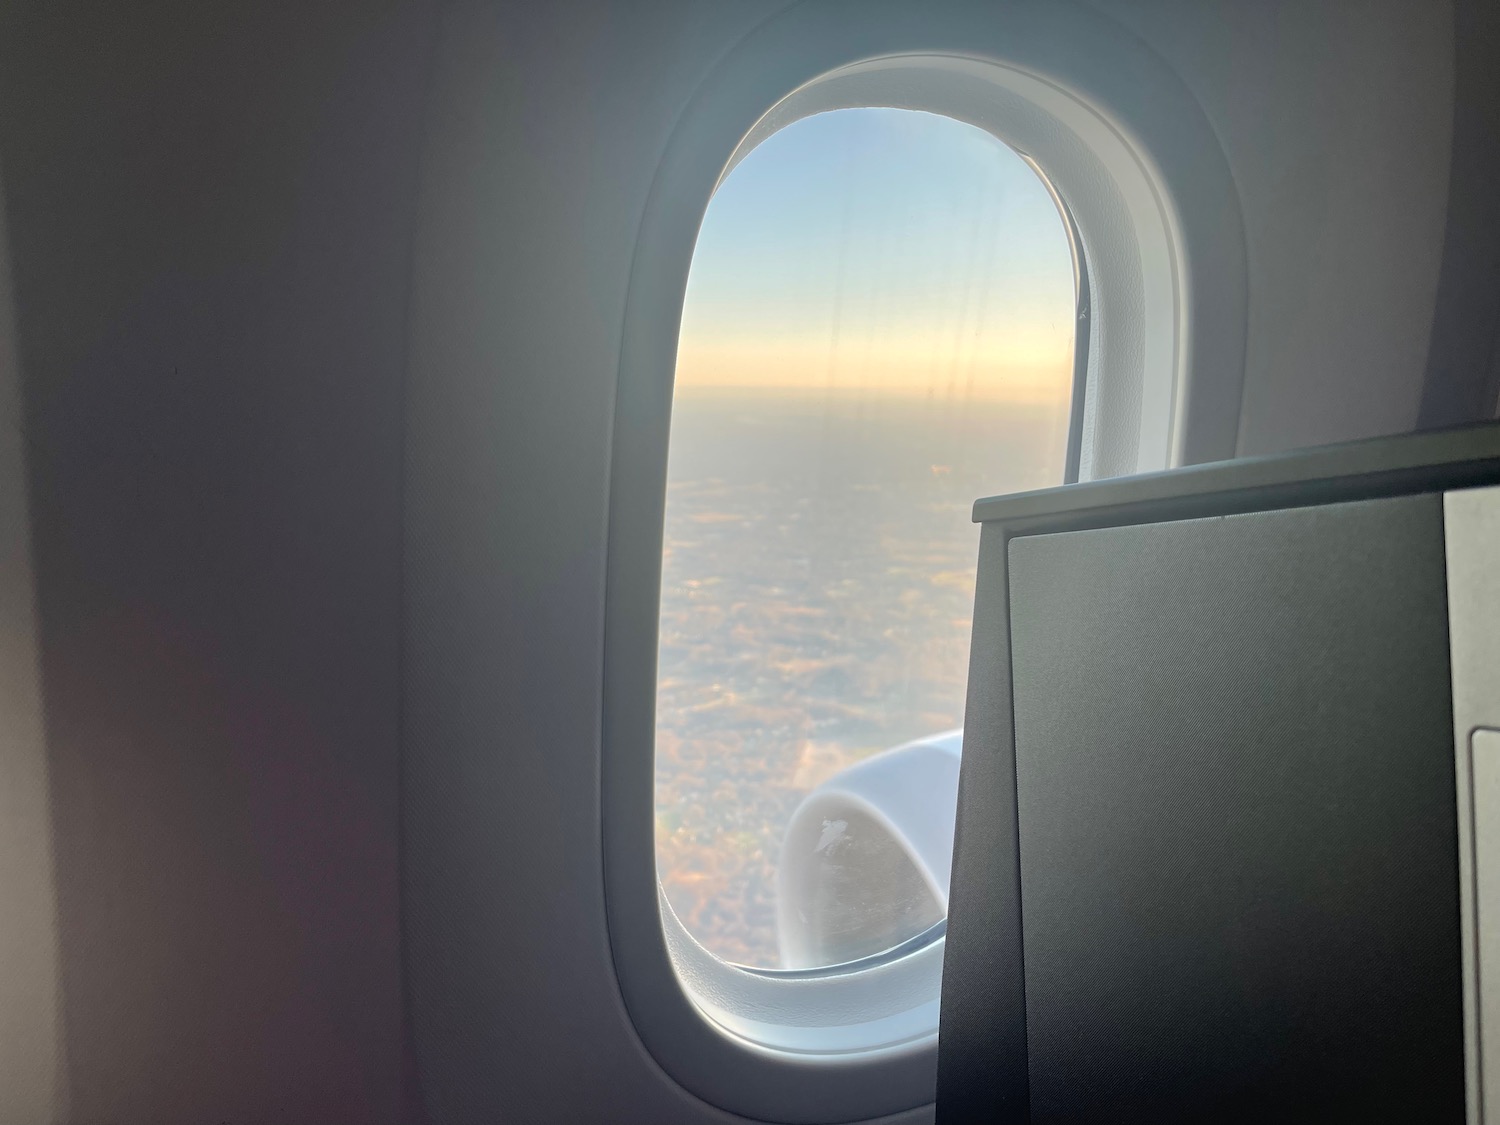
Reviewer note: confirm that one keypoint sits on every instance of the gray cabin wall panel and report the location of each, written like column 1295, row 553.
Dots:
column 210, row 211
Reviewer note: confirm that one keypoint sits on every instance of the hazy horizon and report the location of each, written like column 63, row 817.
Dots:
column 881, row 248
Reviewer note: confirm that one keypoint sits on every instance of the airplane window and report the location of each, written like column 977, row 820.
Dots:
column 878, row 329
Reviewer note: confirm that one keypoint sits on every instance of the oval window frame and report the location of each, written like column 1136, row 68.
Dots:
column 859, row 1041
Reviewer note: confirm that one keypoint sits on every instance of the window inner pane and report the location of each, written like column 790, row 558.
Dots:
column 878, row 329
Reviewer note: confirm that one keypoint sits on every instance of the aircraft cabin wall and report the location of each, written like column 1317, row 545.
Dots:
column 309, row 354
column 209, row 211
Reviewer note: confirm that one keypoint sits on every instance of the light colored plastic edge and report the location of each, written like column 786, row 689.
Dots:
column 1484, row 782
column 798, row 1058
column 1471, row 531
column 873, row 1012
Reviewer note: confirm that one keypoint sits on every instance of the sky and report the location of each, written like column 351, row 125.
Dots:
column 881, row 250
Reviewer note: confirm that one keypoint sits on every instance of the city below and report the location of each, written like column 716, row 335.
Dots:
column 817, row 595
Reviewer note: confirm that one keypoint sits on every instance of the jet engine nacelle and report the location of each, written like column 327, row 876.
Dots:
column 866, row 856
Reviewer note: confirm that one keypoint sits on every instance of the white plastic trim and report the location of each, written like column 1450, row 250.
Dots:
column 882, row 1011
column 1113, row 127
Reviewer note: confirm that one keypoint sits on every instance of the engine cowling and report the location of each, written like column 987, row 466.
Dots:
column 866, row 856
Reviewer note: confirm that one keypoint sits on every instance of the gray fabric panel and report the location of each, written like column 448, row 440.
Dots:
column 1237, row 818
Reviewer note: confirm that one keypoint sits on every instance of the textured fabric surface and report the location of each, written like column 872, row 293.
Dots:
column 1236, row 818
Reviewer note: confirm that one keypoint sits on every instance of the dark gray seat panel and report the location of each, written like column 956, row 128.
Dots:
column 1237, row 818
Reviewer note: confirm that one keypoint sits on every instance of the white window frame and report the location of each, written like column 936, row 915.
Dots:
column 1112, row 128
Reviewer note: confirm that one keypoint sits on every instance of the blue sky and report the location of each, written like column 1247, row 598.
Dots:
column 881, row 249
